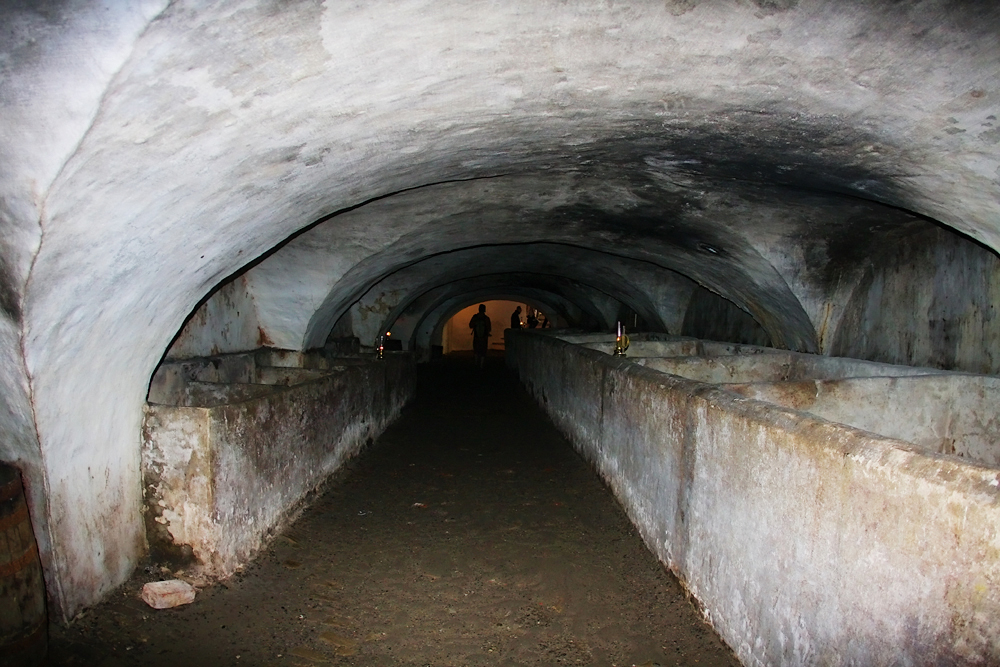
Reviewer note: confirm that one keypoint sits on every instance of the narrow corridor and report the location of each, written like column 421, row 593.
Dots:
column 470, row 533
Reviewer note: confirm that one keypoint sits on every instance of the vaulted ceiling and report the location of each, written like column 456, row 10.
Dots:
column 150, row 152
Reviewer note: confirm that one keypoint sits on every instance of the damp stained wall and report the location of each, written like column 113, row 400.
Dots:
column 932, row 301
column 225, row 322
column 712, row 317
column 227, row 468
column 804, row 541
column 944, row 413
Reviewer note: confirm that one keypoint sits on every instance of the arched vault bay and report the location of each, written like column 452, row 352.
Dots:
column 196, row 139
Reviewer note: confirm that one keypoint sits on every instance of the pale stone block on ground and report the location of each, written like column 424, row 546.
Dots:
column 167, row 594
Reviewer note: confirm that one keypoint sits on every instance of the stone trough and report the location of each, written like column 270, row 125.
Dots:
column 233, row 444
column 821, row 510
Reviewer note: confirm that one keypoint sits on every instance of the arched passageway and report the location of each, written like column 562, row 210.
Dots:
column 455, row 333
column 196, row 195
column 470, row 533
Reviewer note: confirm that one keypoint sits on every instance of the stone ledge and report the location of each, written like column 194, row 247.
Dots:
column 804, row 540
column 221, row 477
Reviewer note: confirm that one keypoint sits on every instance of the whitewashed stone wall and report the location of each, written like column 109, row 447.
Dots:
column 806, row 542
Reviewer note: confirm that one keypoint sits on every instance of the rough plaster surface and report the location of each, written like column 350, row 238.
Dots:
column 226, row 322
column 56, row 61
column 946, row 287
column 656, row 345
column 806, row 542
column 151, row 151
column 951, row 414
column 219, row 480
column 711, row 317
column 774, row 367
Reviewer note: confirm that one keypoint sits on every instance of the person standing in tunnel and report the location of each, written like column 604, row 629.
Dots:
column 515, row 318
column 481, row 326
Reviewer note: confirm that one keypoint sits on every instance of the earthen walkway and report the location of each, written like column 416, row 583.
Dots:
column 469, row 534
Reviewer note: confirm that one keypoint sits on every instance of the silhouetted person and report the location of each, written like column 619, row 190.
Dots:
column 532, row 320
column 515, row 318
column 481, row 327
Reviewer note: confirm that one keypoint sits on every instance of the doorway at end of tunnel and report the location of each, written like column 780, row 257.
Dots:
column 457, row 336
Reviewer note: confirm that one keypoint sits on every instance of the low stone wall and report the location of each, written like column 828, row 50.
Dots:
column 778, row 366
column 228, row 463
column 805, row 541
column 944, row 413
column 652, row 345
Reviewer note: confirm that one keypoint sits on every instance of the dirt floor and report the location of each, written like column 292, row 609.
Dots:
column 470, row 533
